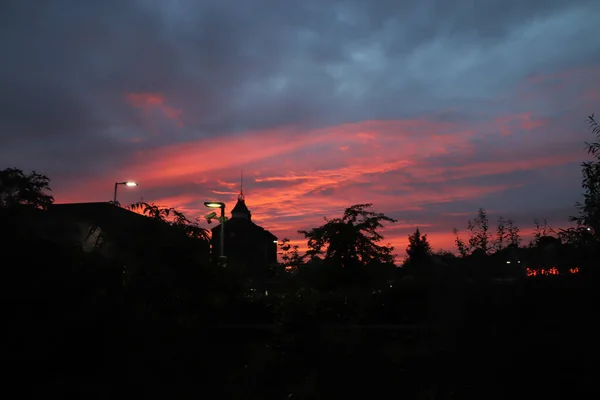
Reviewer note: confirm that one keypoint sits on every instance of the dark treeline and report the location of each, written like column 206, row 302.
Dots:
column 140, row 308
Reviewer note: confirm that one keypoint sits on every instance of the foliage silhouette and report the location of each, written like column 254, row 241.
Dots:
column 589, row 210
column 291, row 257
column 352, row 240
column 460, row 244
column 540, row 230
column 173, row 218
column 514, row 236
column 20, row 189
column 480, row 236
column 418, row 252
column 501, row 234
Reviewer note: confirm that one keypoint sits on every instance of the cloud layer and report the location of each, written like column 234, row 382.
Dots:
column 427, row 109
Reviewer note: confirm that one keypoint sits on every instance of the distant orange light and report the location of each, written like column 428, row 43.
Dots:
column 542, row 271
column 574, row 270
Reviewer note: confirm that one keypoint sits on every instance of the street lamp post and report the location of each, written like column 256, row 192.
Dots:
column 117, row 185
column 218, row 204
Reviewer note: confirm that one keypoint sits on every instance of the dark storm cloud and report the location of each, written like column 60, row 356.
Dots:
column 55, row 112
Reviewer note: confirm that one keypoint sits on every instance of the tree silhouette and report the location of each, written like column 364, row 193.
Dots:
column 20, row 189
column 173, row 218
column 513, row 231
column 501, row 234
column 540, row 230
column 576, row 236
column 418, row 251
column 351, row 240
column 152, row 210
column 589, row 211
column 291, row 256
column 190, row 228
column 460, row 244
column 480, row 236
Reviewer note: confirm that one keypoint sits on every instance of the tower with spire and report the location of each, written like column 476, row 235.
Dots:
column 241, row 210
column 246, row 244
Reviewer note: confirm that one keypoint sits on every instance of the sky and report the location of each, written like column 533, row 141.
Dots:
column 426, row 109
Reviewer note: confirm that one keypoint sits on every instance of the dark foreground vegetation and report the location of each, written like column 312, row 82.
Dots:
column 151, row 315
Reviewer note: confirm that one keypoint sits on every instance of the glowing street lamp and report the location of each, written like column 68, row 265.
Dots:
column 130, row 184
column 218, row 204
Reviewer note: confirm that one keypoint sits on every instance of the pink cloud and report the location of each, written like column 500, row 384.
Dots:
column 318, row 181
column 150, row 102
column 522, row 121
column 579, row 84
column 296, row 177
column 309, row 191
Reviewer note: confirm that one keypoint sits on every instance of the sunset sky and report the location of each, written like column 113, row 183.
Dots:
column 427, row 109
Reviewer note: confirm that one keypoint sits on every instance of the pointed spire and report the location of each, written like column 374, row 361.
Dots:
column 241, row 195
column 241, row 210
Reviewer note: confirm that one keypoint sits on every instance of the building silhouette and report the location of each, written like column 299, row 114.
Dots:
column 246, row 244
column 118, row 232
